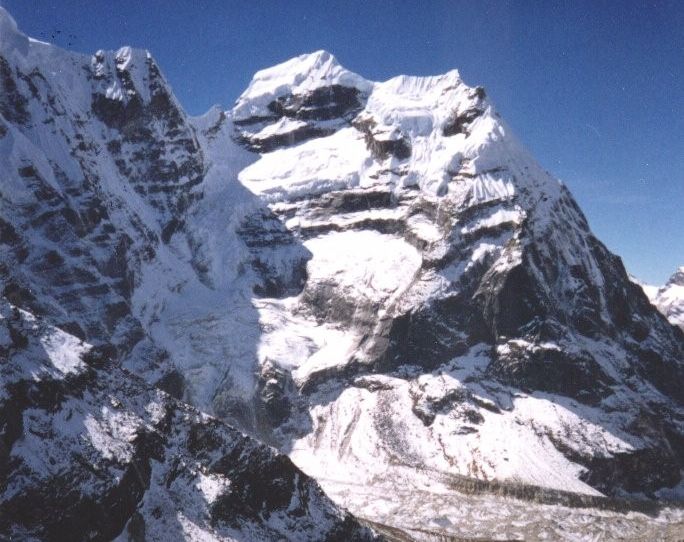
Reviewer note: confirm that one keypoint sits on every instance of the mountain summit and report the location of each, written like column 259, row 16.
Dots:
column 376, row 278
column 669, row 298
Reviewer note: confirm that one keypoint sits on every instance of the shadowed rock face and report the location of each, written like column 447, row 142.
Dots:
column 265, row 237
column 13, row 103
column 153, row 144
column 73, row 250
column 87, row 450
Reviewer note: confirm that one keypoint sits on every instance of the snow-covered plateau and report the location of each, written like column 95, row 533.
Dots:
column 374, row 278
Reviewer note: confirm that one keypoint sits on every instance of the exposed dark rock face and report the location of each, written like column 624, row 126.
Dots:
column 276, row 257
column 427, row 336
column 68, row 229
column 170, row 163
column 460, row 121
column 324, row 103
column 314, row 114
column 380, row 147
column 271, row 143
column 579, row 377
column 13, row 104
column 172, row 383
column 273, row 403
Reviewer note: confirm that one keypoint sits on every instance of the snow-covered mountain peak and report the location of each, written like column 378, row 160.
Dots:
column 423, row 88
column 678, row 277
column 127, row 55
column 430, row 229
column 298, row 76
column 669, row 298
column 429, row 132
column 7, row 23
column 116, row 76
column 418, row 105
column 129, row 72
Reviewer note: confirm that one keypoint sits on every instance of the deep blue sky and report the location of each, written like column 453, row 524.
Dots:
column 595, row 89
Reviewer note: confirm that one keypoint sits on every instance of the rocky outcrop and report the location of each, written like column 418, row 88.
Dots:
column 302, row 109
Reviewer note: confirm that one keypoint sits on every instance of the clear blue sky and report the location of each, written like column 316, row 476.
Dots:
column 595, row 89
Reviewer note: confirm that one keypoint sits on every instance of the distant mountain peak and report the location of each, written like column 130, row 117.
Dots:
column 677, row 278
column 669, row 299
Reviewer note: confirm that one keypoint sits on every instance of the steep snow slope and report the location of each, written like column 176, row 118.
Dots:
column 374, row 277
column 669, row 299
